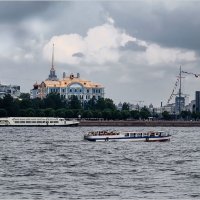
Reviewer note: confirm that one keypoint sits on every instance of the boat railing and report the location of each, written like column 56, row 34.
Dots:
column 102, row 133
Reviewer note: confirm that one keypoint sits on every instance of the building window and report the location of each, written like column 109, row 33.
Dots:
column 70, row 90
column 88, row 91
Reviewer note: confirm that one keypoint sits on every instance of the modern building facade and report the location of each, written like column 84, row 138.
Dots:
column 179, row 104
column 197, row 101
column 67, row 87
column 13, row 90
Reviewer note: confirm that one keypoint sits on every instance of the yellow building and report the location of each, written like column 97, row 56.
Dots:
column 67, row 86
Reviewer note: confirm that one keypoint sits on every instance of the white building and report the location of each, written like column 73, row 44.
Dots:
column 13, row 90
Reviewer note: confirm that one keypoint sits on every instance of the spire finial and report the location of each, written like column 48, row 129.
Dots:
column 52, row 66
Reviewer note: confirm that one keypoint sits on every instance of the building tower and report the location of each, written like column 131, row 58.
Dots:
column 197, row 100
column 52, row 75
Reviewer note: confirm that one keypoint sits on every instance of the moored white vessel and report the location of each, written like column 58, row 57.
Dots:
column 151, row 136
column 37, row 121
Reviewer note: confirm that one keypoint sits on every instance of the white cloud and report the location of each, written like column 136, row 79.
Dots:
column 101, row 45
column 156, row 54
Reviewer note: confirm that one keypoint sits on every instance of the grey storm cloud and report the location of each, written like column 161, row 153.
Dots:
column 12, row 11
column 175, row 24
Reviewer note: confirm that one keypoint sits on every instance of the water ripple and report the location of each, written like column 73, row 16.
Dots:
column 56, row 163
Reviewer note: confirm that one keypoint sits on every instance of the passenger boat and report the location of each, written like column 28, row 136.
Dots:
column 151, row 136
column 37, row 121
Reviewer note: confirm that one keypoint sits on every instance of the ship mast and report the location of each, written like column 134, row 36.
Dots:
column 179, row 94
column 180, row 91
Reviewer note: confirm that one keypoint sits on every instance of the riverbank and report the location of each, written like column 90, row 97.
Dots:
column 140, row 123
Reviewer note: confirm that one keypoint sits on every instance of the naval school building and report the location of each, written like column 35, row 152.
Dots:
column 67, row 86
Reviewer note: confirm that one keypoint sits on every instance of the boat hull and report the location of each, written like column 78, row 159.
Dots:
column 132, row 139
column 36, row 122
column 38, row 125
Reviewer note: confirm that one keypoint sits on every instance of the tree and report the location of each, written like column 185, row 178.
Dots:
column 116, row 114
column 49, row 112
column 3, row 112
column 186, row 115
column 69, row 113
column 100, row 104
column 30, row 112
column 38, row 103
column 24, row 96
column 97, row 114
column 109, row 104
column 125, row 106
column 166, row 115
column 39, row 113
column 60, row 112
column 144, row 113
column 7, row 101
column 125, row 114
column 135, row 114
column 74, row 103
column 87, row 114
column 91, row 104
column 25, row 103
column 107, row 114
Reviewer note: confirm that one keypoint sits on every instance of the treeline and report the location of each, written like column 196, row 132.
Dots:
column 55, row 106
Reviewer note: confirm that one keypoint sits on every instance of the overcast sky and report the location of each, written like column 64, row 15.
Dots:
column 133, row 48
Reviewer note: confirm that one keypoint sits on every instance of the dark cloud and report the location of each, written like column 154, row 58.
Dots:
column 174, row 25
column 133, row 47
column 79, row 54
column 12, row 11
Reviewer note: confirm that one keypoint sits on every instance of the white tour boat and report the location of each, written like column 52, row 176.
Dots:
column 151, row 136
column 37, row 121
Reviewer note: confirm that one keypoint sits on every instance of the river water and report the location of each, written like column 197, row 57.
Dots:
column 56, row 163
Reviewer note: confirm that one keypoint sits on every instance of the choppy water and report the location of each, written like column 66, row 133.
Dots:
column 55, row 163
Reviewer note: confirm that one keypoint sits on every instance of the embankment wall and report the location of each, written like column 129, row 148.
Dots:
column 141, row 123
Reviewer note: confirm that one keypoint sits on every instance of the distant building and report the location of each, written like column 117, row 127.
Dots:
column 179, row 104
column 13, row 90
column 191, row 106
column 170, row 108
column 67, row 87
column 151, row 108
column 119, row 106
column 197, row 99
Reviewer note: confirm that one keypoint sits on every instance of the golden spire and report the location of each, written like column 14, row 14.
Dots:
column 52, row 64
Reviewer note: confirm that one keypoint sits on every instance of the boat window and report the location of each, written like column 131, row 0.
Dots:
column 139, row 134
column 152, row 134
column 127, row 134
